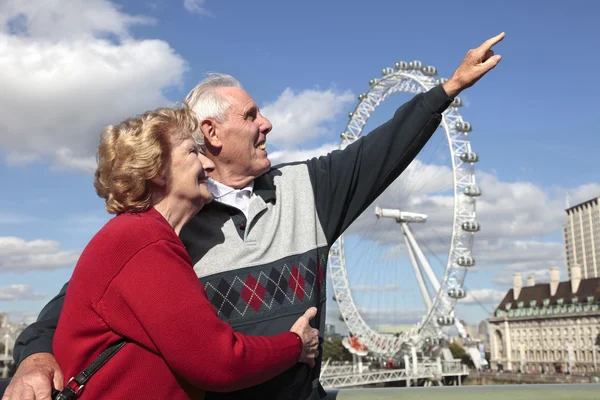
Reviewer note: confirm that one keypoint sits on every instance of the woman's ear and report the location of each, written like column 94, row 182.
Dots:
column 211, row 135
column 159, row 181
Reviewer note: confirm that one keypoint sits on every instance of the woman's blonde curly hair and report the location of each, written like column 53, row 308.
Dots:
column 136, row 151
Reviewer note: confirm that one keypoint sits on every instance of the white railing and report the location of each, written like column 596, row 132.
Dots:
column 339, row 376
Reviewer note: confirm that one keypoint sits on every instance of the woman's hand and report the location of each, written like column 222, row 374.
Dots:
column 309, row 336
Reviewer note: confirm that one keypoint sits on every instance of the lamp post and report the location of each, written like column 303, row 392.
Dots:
column 594, row 358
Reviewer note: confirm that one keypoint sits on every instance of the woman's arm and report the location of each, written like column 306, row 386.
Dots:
column 158, row 301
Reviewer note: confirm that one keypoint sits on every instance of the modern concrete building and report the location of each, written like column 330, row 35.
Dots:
column 547, row 327
column 581, row 235
column 330, row 332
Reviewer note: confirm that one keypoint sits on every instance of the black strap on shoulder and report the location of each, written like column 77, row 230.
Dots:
column 76, row 384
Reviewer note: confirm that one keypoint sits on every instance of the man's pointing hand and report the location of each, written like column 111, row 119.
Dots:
column 476, row 64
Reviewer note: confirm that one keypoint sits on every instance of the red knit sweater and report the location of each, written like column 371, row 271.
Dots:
column 135, row 280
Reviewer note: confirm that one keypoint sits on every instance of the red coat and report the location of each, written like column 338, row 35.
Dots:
column 135, row 280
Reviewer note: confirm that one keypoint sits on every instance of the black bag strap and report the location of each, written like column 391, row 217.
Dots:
column 76, row 384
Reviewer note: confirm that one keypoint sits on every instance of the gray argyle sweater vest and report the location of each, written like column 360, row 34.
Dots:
column 262, row 273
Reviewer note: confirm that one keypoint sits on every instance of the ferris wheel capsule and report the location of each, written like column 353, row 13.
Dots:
column 457, row 293
column 470, row 226
column 469, row 157
column 463, row 126
column 362, row 96
column 350, row 114
column 387, row 71
column 465, row 261
column 472, row 191
column 372, row 82
column 457, row 102
column 401, row 65
column 430, row 70
column 416, row 64
column 445, row 320
column 441, row 81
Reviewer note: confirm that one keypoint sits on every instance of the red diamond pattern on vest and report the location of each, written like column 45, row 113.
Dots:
column 253, row 293
column 267, row 290
column 297, row 282
column 320, row 274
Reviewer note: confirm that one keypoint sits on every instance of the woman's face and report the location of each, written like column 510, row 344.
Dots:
column 187, row 176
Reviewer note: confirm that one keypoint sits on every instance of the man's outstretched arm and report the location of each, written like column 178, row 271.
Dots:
column 346, row 181
column 37, row 370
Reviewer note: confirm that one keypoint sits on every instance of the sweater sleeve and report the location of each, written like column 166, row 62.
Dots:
column 346, row 181
column 37, row 337
column 158, row 298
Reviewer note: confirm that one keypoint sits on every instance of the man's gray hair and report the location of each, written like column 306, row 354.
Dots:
column 205, row 102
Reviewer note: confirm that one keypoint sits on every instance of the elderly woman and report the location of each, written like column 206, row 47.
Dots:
column 135, row 281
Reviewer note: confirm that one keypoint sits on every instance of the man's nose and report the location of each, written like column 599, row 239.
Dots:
column 265, row 125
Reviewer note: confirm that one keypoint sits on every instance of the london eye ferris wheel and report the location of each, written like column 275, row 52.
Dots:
column 404, row 261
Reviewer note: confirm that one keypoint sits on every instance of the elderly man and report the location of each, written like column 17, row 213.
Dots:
column 260, row 248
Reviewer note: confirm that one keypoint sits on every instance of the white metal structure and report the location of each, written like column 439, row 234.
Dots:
column 413, row 78
column 336, row 377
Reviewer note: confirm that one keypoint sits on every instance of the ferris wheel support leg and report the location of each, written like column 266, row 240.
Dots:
column 459, row 327
column 408, row 369
column 416, row 269
column 422, row 259
column 413, row 351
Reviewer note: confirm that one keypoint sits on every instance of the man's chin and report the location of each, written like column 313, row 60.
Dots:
column 263, row 167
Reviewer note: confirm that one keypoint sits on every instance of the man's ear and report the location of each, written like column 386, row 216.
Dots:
column 211, row 135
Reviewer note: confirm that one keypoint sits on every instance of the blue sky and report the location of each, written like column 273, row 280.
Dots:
column 534, row 117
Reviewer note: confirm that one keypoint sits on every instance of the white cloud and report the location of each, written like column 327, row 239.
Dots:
column 375, row 288
column 285, row 156
column 540, row 276
column 301, row 117
column 18, row 255
column 374, row 316
column 19, row 292
column 68, row 71
column 196, row 6
column 518, row 255
column 484, row 296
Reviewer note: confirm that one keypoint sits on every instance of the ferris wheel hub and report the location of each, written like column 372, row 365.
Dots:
column 400, row 216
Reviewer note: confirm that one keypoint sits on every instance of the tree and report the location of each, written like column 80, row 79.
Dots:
column 458, row 352
column 333, row 348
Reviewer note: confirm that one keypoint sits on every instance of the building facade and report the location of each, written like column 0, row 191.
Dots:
column 581, row 235
column 547, row 327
